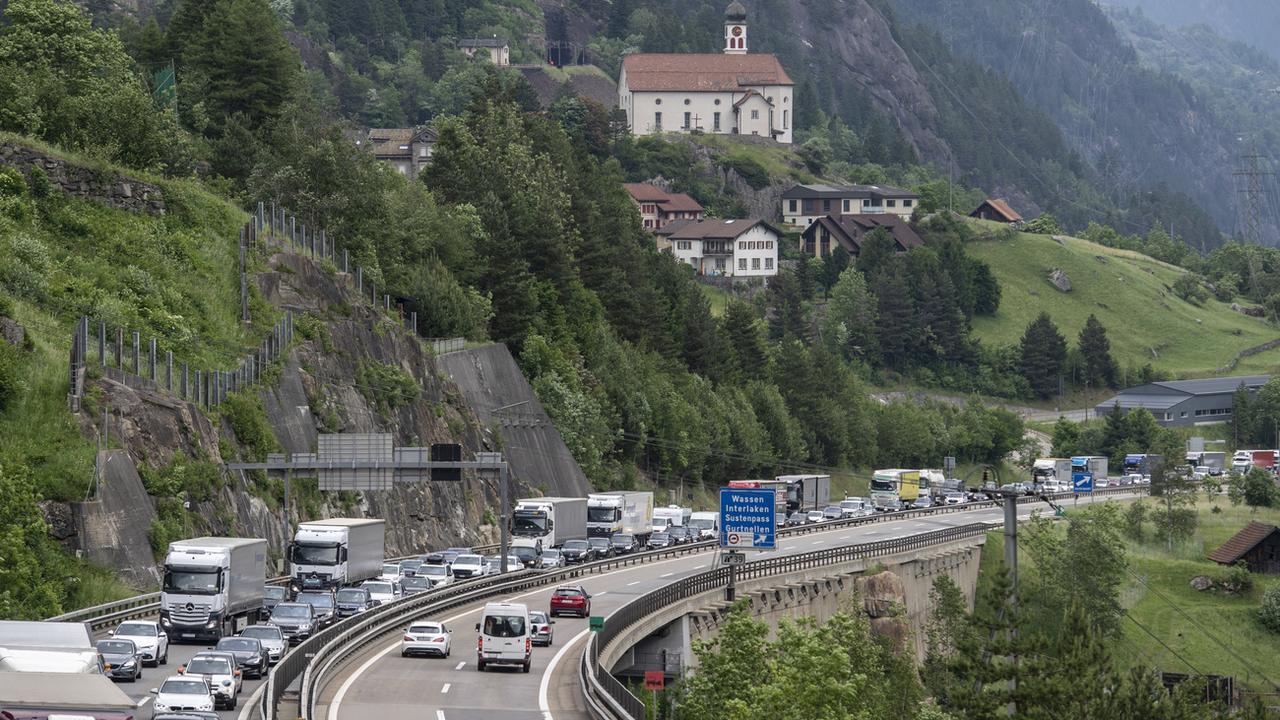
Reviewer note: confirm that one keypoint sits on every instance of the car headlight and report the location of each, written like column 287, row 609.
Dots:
column 304, row 628
column 128, row 664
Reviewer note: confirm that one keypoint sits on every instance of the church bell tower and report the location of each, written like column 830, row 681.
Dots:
column 735, row 29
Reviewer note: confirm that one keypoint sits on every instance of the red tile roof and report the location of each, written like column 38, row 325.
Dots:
column 718, row 229
column 1242, row 542
column 645, row 193
column 679, row 202
column 706, row 72
column 1001, row 207
column 669, row 202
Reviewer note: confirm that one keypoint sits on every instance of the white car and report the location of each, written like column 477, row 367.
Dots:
column 813, row 516
column 469, row 566
column 438, row 574
column 183, row 692
column 494, row 563
column 426, row 638
column 153, row 644
column 221, row 673
column 271, row 638
column 390, row 573
column 381, row 592
column 550, row 560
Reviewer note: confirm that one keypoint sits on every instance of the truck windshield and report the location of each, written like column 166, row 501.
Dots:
column 192, row 582
column 314, row 554
column 533, row 522
column 884, row 484
column 701, row 523
column 603, row 514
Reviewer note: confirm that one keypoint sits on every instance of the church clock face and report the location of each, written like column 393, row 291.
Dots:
column 737, row 31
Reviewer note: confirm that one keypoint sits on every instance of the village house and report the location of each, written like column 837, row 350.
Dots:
column 823, row 235
column 997, row 210
column 723, row 248
column 802, row 204
column 408, row 150
column 659, row 207
column 498, row 51
column 730, row 93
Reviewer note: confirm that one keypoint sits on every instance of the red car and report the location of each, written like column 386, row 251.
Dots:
column 570, row 599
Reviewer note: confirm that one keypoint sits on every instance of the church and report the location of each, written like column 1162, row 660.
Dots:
column 729, row 93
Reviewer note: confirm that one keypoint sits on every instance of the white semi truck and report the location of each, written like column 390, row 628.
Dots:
column 548, row 522
column 1051, row 472
column 624, row 511
column 328, row 554
column 51, row 647
column 213, row 586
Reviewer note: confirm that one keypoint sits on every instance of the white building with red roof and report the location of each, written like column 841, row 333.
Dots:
column 659, row 207
column 729, row 93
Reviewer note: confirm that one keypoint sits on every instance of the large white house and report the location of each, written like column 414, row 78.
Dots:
column 732, row 93
column 723, row 248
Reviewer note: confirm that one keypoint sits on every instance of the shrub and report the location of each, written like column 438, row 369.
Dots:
column 387, row 386
column 10, row 374
column 6, row 306
column 1190, row 287
column 1269, row 611
column 248, row 420
column 1236, row 579
column 751, row 171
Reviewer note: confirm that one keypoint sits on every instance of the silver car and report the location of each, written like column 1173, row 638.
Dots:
column 271, row 638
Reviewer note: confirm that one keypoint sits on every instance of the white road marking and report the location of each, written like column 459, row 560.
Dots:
column 667, row 575
column 143, row 702
column 439, row 715
column 633, row 583
column 461, row 665
column 543, row 686
column 444, row 689
column 818, row 542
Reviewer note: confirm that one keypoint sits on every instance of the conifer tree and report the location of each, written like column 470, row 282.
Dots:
column 1095, row 350
column 247, row 65
column 1043, row 349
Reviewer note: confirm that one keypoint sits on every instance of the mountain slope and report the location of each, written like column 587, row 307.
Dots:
column 1131, row 295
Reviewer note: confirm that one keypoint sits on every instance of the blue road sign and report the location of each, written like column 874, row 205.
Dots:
column 747, row 520
column 1082, row 481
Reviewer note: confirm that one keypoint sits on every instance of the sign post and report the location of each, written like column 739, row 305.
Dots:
column 654, row 680
column 747, row 522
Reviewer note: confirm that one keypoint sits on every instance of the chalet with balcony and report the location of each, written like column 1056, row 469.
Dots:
column 823, row 235
column 724, row 248
column 803, row 204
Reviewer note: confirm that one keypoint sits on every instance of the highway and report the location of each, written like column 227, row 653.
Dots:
column 378, row 683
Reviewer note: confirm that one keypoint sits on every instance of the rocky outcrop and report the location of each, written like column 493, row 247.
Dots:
column 112, row 189
column 12, row 333
column 859, row 44
column 315, row 389
column 884, row 600
column 1058, row 278
column 112, row 529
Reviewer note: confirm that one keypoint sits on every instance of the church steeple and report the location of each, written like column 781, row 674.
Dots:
column 735, row 29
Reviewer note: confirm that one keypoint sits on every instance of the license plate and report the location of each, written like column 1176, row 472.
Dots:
column 188, row 635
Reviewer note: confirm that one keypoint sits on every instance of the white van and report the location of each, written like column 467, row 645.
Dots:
column 505, row 636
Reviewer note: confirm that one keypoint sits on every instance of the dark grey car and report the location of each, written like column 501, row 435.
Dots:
column 325, row 606
column 121, row 658
column 296, row 620
column 353, row 601
column 251, row 657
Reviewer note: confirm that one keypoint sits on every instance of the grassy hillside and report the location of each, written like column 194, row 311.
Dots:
column 1130, row 295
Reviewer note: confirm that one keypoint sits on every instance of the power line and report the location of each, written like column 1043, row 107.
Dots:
column 1162, row 643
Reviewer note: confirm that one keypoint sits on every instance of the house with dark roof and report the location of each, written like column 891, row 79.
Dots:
column 1181, row 403
column 802, row 204
column 1258, row 544
column 408, row 150
column 823, row 235
column 729, row 93
column 659, row 207
column 723, row 248
column 997, row 210
column 497, row 50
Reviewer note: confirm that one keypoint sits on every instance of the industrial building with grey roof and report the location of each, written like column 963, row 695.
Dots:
column 1180, row 403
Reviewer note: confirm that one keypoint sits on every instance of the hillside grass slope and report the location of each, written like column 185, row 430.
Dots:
column 1128, row 292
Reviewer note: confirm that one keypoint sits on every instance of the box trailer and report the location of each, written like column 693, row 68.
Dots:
column 550, row 521
column 327, row 554
column 807, row 492
column 55, row 695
